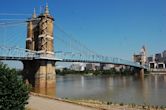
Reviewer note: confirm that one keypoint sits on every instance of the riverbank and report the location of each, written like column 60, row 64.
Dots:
column 43, row 102
column 121, row 106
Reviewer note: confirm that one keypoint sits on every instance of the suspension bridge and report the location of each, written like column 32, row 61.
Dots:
column 11, row 47
column 43, row 49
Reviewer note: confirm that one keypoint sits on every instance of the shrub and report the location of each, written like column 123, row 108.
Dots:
column 13, row 92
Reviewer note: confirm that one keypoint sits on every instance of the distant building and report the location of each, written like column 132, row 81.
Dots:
column 158, row 57
column 164, row 53
column 161, row 65
column 90, row 66
column 108, row 66
column 152, row 65
column 158, row 61
column 102, row 66
column 77, row 67
column 97, row 67
column 164, row 56
column 119, row 67
column 150, row 59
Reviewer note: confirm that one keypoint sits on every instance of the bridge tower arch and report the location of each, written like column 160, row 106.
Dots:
column 40, row 73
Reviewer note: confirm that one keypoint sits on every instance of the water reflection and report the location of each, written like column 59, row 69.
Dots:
column 130, row 89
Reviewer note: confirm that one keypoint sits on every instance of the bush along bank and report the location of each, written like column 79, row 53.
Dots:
column 111, row 71
column 13, row 92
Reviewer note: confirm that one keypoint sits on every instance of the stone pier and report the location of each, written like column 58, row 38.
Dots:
column 40, row 73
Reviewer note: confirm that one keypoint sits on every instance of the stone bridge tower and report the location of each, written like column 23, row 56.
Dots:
column 40, row 73
column 142, row 59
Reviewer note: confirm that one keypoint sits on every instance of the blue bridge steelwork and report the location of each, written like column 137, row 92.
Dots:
column 15, row 53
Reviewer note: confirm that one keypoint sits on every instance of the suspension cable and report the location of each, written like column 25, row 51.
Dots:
column 15, row 14
column 74, row 40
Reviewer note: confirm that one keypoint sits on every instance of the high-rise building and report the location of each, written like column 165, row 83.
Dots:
column 164, row 56
column 150, row 59
column 158, row 57
column 164, row 53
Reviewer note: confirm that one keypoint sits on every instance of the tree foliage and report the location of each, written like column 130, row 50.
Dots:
column 13, row 91
column 112, row 71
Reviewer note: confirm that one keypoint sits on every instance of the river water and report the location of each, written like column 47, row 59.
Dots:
column 119, row 89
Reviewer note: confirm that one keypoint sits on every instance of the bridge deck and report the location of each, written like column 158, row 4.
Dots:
column 28, row 58
column 103, row 62
column 65, row 60
column 19, row 54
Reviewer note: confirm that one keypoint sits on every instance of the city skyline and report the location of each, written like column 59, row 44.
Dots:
column 120, row 27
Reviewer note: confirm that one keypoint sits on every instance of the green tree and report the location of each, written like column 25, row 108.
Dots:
column 13, row 91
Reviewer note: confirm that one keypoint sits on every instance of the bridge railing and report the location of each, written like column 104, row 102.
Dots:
column 16, row 52
column 69, row 56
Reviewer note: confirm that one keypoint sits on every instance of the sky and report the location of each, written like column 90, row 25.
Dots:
column 116, row 28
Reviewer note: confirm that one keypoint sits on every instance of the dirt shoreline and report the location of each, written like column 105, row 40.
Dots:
column 84, row 104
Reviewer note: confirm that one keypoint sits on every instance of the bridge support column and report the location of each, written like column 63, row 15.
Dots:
column 139, row 72
column 142, row 71
column 41, row 75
